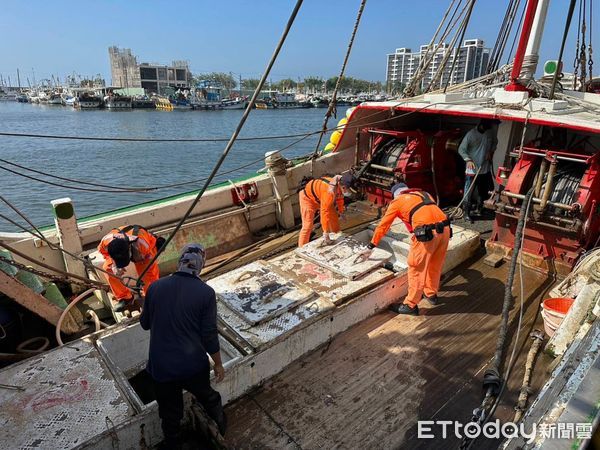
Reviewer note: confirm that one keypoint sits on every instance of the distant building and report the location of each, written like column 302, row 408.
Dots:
column 472, row 58
column 126, row 72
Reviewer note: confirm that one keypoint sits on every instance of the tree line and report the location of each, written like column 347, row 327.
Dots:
column 312, row 84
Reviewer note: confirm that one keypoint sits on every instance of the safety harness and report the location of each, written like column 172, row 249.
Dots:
column 306, row 181
column 424, row 233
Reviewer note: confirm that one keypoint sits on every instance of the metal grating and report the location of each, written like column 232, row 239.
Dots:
column 259, row 335
column 69, row 397
column 325, row 282
column 257, row 293
column 342, row 257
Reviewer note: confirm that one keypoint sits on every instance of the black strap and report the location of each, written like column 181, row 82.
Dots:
column 312, row 187
column 426, row 201
column 136, row 229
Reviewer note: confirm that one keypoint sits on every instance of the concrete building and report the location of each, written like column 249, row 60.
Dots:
column 126, row 72
column 472, row 58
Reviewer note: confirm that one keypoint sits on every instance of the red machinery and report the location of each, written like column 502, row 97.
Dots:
column 425, row 161
column 564, row 217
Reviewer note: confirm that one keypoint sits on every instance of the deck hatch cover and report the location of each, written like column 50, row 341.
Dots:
column 342, row 256
column 257, row 293
column 69, row 397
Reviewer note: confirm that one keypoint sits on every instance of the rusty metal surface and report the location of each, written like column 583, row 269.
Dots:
column 264, row 333
column 325, row 282
column 257, row 294
column 69, row 396
column 342, row 257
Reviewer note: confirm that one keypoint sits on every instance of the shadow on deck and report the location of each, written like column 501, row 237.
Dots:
column 370, row 385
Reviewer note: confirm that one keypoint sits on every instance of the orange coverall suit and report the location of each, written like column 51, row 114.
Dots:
column 425, row 259
column 319, row 194
column 143, row 250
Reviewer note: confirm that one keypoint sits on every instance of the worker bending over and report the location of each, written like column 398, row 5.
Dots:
column 181, row 313
column 122, row 246
column 326, row 195
column 431, row 233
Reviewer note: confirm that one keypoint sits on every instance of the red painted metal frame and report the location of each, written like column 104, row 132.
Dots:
column 542, row 242
column 479, row 115
column 514, row 84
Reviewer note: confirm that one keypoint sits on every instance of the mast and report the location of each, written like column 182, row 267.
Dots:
column 530, row 13
column 18, row 79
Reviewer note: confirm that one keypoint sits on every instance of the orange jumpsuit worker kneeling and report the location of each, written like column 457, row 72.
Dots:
column 323, row 194
column 123, row 245
column 428, row 246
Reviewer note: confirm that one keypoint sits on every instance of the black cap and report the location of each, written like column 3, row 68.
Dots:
column 118, row 249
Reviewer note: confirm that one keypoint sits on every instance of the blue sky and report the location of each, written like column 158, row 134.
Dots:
column 59, row 37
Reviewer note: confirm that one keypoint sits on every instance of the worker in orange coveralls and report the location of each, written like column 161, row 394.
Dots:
column 120, row 247
column 326, row 195
column 431, row 233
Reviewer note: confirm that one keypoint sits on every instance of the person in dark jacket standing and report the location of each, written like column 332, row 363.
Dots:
column 181, row 313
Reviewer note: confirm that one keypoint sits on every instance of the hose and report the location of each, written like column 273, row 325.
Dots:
column 66, row 311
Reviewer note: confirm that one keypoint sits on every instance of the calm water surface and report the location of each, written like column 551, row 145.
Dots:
column 133, row 163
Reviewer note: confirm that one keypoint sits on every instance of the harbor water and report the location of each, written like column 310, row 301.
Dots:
column 136, row 164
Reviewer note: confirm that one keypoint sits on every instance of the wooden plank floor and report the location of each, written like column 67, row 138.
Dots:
column 369, row 386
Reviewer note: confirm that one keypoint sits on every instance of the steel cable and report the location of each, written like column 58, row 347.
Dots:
column 229, row 144
column 332, row 102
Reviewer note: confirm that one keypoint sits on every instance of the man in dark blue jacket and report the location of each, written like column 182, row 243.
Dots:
column 181, row 313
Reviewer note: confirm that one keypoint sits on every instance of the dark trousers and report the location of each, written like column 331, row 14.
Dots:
column 480, row 192
column 169, row 396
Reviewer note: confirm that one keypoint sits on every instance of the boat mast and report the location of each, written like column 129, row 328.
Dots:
column 530, row 13
column 532, row 55
column 18, row 79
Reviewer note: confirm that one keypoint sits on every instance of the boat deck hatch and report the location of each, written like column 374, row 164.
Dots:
column 257, row 293
column 342, row 257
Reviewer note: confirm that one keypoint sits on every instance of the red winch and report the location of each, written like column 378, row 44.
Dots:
column 563, row 218
column 427, row 161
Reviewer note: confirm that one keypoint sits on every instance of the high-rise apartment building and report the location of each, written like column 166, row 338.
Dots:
column 471, row 61
column 128, row 73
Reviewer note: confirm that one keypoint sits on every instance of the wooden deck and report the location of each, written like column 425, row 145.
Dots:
column 368, row 387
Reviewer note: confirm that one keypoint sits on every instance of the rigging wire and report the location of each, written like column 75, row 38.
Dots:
column 509, row 57
column 229, row 144
column 138, row 139
column 456, row 45
column 562, row 47
column 41, row 236
column 332, row 102
column 129, row 190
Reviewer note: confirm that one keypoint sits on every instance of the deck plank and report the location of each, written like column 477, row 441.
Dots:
column 371, row 384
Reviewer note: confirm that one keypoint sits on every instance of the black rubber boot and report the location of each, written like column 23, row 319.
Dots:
column 433, row 299
column 401, row 308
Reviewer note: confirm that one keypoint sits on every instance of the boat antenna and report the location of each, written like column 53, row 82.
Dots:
column 229, row 144
column 332, row 102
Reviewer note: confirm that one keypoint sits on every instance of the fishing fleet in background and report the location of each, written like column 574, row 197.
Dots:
column 204, row 96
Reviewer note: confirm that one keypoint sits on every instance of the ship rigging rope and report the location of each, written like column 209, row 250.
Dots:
column 455, row 45
column 338, row 82
column 53, row 246
column 457, row 49
column 62, row 276
column 562, row 47
column 229, row 145
column 98, row 187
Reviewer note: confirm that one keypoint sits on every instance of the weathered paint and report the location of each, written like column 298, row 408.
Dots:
column 342, row 257
column 69, row 396
column 257, row 293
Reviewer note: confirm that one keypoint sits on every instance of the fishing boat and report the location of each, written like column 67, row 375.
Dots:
column 87, row 100
column 55, row 99
column 234, row 103
column 312, row 358
column 118, row 102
